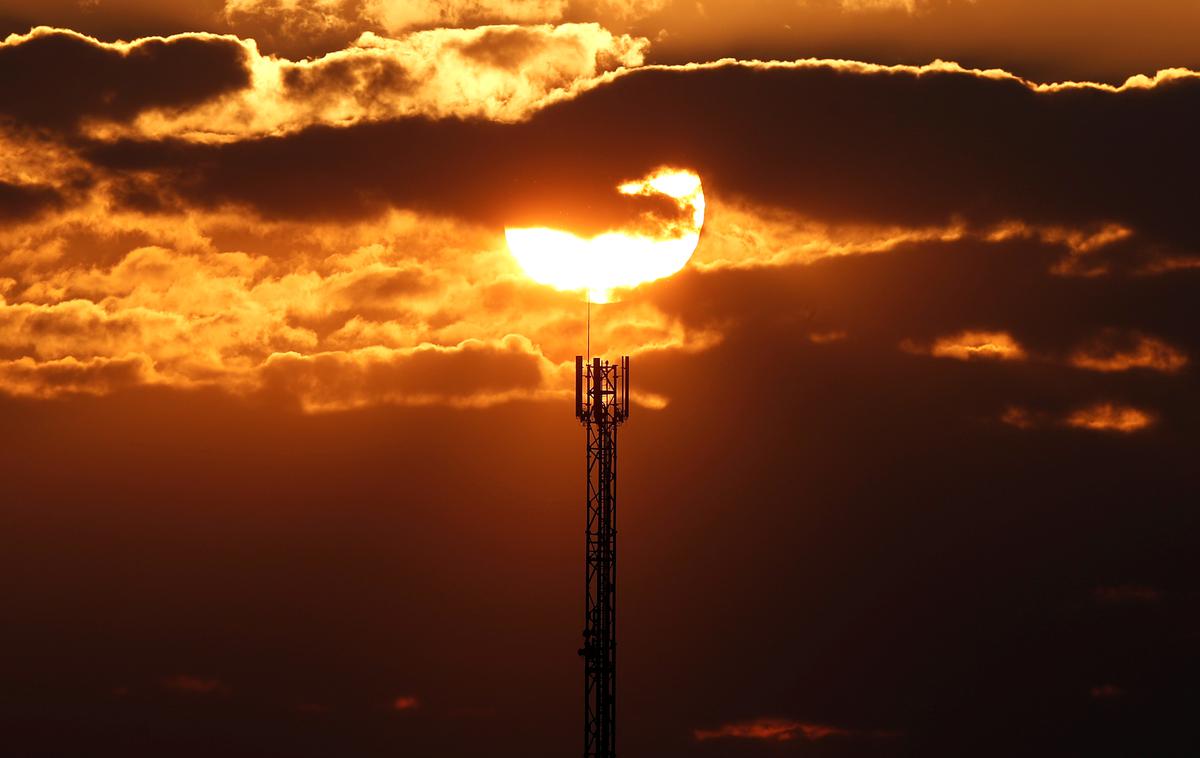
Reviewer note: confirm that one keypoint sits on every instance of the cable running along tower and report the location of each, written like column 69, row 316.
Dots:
column 601, row 404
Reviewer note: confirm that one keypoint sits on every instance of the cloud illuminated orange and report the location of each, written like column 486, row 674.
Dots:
column 771, row 730
column 500, row 73
column 1110, row 417
column 336, row 319
column 130, row 273
column 1100, row 417
column 1113, row 351
column 970, row 345
column 299, row 17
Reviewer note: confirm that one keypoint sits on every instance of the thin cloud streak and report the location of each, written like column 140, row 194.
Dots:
column 783, row 730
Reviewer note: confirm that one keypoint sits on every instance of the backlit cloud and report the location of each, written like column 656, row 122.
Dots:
column 330, row 317
column 504, row 73
column 214, row 87
column 295, row 18
column 741, row 235
column 500, row 73
column 397, row 15
column 524, row 136
column 332, row 228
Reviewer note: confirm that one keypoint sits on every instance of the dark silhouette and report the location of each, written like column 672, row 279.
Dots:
column 602, row 404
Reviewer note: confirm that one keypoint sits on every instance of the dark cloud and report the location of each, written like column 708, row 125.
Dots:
column 827, row 141
column 56, row 78
column 1045, row 41
column 143, row 195
column 19, row 202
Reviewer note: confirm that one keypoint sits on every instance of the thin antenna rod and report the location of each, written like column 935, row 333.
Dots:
column 589, row 325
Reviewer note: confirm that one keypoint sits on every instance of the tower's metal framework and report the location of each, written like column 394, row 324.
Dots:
column 601, row 404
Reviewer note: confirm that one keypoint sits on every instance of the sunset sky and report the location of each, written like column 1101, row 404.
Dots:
column 290, row 296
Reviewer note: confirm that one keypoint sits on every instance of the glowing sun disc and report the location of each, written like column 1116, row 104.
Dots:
column 601, row 264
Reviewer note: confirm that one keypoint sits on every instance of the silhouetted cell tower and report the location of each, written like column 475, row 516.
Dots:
column 602, row 404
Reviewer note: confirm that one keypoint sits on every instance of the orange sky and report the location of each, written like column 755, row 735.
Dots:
column 288, row 467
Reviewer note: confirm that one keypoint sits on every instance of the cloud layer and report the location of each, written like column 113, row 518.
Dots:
column 331, row 229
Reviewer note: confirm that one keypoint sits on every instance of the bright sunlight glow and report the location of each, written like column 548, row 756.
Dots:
column 601, row 264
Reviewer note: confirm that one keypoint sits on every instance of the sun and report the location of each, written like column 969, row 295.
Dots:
column 598, row 266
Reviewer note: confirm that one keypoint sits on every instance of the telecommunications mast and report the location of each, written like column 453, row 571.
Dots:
column 601, row 404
